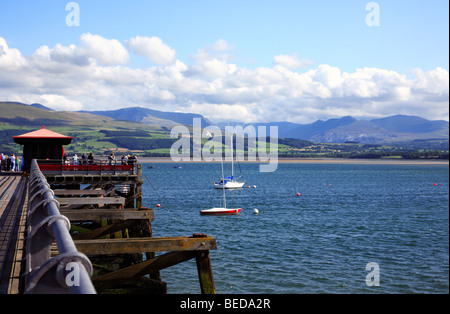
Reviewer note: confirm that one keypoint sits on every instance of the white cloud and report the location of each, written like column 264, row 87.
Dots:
column 106, row 51
column 222, row 45
column 10, row 59
column 93, row 50
column 432, row 82
column 94, row 75
column 152, row 48
column 217, row 112
column 59, row 102
column 213, row 68
column 291, row 61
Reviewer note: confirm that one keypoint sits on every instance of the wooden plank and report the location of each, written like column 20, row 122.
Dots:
column 155, row 264
column 79, row 192
column 91, row 201
column 99, row 214
column 139, row 245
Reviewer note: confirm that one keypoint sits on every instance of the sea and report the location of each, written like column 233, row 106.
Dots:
column 337, row 228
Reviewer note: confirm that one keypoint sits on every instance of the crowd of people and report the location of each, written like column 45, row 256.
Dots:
column 10, row 163
column 14, row 163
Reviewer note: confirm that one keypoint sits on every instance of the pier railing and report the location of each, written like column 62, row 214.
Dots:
column 88, row 167
column 69, row 271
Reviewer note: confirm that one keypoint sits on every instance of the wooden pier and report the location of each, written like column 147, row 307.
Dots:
column 108, row 224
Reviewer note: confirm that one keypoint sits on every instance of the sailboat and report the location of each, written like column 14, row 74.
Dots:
column 221, row 210
column 229, row 182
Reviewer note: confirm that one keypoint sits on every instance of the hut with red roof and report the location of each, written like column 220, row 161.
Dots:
column 42, row 144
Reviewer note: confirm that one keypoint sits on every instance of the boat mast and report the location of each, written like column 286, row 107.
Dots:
column 223, row 186
column 232, row 156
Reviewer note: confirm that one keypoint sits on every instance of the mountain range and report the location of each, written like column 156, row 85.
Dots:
column 397, row 128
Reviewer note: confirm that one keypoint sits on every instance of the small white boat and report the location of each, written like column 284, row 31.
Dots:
column 228, row 183
column 220, row 211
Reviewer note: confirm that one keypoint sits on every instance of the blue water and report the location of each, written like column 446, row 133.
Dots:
column 319, row 242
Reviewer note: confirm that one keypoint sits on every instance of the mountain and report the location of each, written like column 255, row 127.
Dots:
column 36, row 105
column 398, row 128
column 410, row 124
column 150, row 116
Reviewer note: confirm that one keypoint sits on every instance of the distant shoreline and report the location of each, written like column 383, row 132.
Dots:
column 316, row 160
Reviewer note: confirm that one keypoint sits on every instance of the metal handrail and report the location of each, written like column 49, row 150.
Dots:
column 68, row 272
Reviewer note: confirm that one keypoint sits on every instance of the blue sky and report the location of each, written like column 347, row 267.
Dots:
column 238, row 37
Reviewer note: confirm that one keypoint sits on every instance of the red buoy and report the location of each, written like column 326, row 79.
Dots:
column 298, row 194
column 435, row 183
column 157, row 205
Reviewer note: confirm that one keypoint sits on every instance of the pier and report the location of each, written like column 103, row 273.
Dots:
column 81, row 228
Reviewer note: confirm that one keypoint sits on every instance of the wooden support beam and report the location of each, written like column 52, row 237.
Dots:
column 205, row 273
column 79, row 192
column 92, row 179
column 103, row 231
column 92, row 201
column 99, row 214
column 139, row 245
column 153, row 265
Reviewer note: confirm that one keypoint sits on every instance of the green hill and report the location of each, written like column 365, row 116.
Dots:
column 90, row 131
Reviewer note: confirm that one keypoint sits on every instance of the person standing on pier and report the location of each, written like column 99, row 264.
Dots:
column 13, row 162
column 91, row 158
column 17, row 163
column 112, row 159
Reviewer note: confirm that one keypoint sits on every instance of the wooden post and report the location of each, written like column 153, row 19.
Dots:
column 138, row 190
column 205, row 274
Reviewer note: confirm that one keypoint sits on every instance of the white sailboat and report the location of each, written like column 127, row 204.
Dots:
column 229, row 182
column 221, row 210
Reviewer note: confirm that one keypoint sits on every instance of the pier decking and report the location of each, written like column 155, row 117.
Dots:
column 91, row 215
column 13, row 198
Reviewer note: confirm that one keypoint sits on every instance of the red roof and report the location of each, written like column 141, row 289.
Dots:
column 42, row 133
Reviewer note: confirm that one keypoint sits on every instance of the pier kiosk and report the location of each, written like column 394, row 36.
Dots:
column 41, row 144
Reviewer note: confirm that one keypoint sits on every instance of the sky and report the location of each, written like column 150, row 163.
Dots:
column 247, row 61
